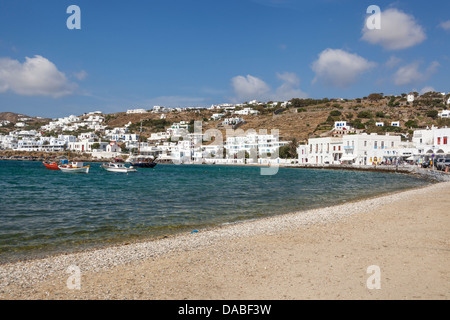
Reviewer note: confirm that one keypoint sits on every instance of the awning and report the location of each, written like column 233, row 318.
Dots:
column 348, row 158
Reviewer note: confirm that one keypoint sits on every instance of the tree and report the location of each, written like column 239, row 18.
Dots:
column 365, row 114
column 335, row 113
column 411, row 124
column 95, row 146
column 375, row 96
column 289, row 151
column 432, row 114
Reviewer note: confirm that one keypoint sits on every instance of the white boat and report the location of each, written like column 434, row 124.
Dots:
column 118, row 167
column 74, row 167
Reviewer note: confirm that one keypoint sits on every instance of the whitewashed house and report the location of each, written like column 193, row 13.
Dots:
column 135, row 111
column 444, row 114
column 247, row 111
column 320, row 151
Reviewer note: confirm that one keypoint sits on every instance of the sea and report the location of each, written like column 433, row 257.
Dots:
column 45, row 212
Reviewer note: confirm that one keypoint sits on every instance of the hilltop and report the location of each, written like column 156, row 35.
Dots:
column 300, row 119
column 33, row 123
column 305, row 118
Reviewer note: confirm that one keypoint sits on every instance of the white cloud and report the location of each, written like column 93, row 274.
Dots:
column 445, row 25
column 35, row 77
column 338, row 68
column 398, row 31
column 252, row 88
column 290, row 87
column 81, row 75
column 393, row 62
column 411, row 74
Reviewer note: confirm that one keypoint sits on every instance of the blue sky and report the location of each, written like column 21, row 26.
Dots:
column 137, row 54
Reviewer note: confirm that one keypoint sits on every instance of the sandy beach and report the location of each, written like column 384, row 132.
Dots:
column 317, row 254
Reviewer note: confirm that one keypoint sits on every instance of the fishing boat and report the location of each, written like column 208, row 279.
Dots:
column 74, row 167
column 53, row 165
column 118, row 167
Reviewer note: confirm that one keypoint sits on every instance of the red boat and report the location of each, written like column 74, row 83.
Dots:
column 51, row 165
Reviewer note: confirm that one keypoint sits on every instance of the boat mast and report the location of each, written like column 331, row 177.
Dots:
column 140, row 133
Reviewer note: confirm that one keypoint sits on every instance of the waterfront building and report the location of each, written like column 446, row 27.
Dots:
column 263, row 144
column 361, row 149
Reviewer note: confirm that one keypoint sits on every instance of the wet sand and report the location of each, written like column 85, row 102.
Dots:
column 316, row 254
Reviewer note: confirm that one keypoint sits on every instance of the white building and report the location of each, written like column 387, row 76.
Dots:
column 217, row 116
column 327, row 150
column 395, row 123
column 444, row 114
column 132, row 111
column 247, row 111
column 159, row 136
column 261, row 145
column 232, row 121
column 410, row 98
column 430, row 141
column 361, row 149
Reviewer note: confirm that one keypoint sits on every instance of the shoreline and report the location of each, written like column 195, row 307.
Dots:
column 18, row 279
column 211, row 227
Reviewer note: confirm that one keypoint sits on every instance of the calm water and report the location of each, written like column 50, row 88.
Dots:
column 44, row 211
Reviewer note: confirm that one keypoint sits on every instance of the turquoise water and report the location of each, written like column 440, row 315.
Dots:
column 45, row 212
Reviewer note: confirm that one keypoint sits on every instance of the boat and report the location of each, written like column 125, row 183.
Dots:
column 140, row 161
column 117, row 167
column 53, row 165
column 74, row 167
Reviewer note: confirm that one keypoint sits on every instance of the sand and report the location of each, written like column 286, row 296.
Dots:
column 317, row 254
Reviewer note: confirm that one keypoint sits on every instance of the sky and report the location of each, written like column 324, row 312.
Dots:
column 195, row 53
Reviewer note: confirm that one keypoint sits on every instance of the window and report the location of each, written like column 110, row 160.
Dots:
column 365, row 143
column 439, row 140
column 445, row 140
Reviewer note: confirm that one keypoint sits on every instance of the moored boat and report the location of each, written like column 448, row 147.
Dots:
column 141, row 162
column 53, row 165
column 74, row 167
column 118, row 167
